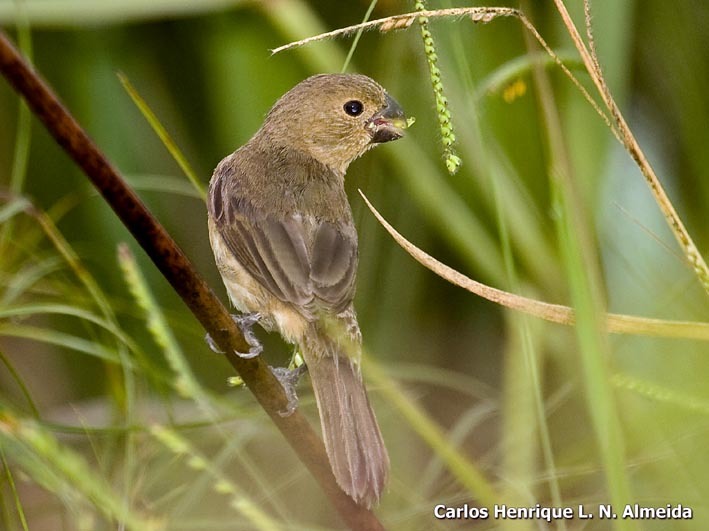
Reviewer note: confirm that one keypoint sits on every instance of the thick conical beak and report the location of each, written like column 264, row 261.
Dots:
column 389, row 123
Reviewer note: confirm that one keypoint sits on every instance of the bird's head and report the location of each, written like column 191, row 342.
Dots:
column 335, row 118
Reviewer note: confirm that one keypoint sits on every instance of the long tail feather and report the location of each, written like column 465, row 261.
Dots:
column 353, row 441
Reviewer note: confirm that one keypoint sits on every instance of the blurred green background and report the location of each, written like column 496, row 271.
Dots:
column 83, row 380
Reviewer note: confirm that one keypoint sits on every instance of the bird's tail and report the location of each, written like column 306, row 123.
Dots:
column 353, row 441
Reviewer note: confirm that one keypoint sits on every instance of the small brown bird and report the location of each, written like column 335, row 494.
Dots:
column 285, row 244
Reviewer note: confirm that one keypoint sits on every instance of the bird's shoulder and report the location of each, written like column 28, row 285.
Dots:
column 260, row 178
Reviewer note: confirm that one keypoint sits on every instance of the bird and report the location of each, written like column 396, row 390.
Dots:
column 285, row 244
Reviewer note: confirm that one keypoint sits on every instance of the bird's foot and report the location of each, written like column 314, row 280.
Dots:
column 288, row 379
column 245, row 323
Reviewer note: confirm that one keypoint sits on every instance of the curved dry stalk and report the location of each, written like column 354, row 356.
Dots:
column 555, row 313
column 590, row 59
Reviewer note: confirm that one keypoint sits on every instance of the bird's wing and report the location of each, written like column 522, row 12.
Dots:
column 308, row 262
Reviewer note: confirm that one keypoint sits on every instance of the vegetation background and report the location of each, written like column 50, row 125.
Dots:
column 113, row 410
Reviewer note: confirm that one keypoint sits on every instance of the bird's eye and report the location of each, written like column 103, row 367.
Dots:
column 354, row 107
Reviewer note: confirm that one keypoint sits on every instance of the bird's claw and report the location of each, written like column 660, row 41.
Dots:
column 245, row 323
column 288, row 378
column 212, row 345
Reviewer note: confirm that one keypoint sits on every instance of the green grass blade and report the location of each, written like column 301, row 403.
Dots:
column 72, row 13
column 61, row 339
column 462, row 469
column 660, row 393
column 64, row 472
column 20, row 383
column 164, row 136
column 185, row 383
column 13, row 490
column 221, row 483
column 23, row 134
column 357, row 36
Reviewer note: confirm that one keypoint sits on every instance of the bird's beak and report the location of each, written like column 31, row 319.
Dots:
column 388, row 124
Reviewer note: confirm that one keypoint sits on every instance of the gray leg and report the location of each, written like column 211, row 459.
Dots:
column 288, row 379
column 245, row 323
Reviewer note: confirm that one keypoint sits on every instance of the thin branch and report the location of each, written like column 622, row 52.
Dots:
column 403, row 21
column 181, row 274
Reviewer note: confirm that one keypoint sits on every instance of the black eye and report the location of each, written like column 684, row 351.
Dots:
column 354, row 107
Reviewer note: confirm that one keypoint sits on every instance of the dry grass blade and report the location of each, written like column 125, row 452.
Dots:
column 555, row 313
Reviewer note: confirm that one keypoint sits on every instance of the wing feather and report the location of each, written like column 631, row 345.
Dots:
column 301, row 260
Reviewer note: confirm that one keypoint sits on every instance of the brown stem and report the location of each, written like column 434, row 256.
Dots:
column 183, row 277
